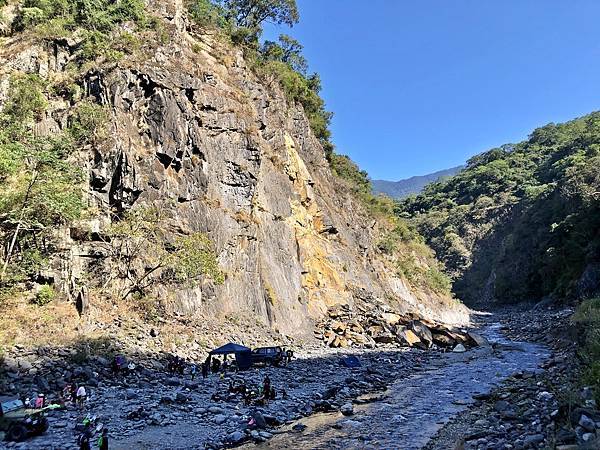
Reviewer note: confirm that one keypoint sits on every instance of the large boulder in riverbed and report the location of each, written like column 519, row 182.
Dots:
column 443, row 339
column 407, row 337
column 422, row 332
column 477, row 339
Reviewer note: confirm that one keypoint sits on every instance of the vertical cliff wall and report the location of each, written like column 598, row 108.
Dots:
column 194, row 132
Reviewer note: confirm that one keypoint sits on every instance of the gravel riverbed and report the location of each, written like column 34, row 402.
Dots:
column 490, row 397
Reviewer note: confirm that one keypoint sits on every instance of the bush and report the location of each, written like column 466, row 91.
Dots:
column 39, row 189
column 45, row 295
column 26, row 100
column 88, row 122
column 99, row 18
column 206, row 14
column 588, row 316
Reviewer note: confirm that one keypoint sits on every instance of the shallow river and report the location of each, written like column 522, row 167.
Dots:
column 414, row 408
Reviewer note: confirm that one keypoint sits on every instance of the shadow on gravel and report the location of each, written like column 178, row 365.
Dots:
column 150, row 405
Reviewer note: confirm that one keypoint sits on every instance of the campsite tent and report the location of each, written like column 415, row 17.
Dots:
column 243, row 355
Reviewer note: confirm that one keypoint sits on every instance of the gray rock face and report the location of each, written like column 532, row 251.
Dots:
column 223, row 152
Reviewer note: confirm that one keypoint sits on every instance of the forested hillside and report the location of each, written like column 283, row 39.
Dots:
column 522, row 221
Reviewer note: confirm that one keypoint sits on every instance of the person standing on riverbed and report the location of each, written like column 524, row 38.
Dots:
column 81, row 396
column 103, row 440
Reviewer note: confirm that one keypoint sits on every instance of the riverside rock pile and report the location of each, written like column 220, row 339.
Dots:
column 374, row 327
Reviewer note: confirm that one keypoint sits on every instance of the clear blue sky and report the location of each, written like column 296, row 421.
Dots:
column 418, row 86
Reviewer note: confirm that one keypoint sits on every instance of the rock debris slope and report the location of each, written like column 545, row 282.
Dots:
column 194, row 132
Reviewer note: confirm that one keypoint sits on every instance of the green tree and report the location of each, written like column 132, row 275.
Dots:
column 251, row 14
column 38, row 187
column 141, row 255
column 289, row 51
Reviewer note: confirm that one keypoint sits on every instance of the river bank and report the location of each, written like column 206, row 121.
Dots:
column 152, row 407
column 414, row 408
column 490, row 397
column 545, row 409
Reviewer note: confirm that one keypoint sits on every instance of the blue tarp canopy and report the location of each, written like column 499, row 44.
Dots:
column 230, row 348
column 243, row 355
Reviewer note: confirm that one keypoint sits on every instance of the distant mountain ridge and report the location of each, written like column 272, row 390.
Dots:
column 412, row 185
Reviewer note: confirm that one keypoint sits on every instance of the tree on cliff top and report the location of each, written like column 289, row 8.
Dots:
column 253, row 13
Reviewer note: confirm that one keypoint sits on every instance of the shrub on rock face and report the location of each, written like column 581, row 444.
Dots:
column 39, row 188
column 45, row 295
column 138, row 241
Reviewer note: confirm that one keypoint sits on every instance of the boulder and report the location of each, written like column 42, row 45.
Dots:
column 236, row 437
column 180, row 397
column 459, row 349
column 220, row 419
column 339, row 341
column 477, row 339
column 385, row 338
column 338, row 326
column 299, row 427
column 391, row 318
column 215, row 410
column 375, row 330
column 347, row 409
column 587, row 423
column 357, row 338
column 356, row 327
column 443, row 339
column 422, row 332
column 25, row 365
column 408, row 337
column 259, row 419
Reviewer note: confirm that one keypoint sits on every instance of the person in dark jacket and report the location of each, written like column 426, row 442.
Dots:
column 84, row 438
column 103, row 440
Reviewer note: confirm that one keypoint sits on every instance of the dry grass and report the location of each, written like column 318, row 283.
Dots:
column 21, row 322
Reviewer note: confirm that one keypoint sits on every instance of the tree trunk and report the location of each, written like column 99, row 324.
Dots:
column 19, row 225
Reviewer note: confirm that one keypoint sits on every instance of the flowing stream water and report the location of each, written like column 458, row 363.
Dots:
column 415, row 408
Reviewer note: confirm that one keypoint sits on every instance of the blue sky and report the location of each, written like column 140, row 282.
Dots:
column 421, row 85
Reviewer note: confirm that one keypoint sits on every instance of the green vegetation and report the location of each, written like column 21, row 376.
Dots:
column 242, row 19
column 93, row 15
column 45, row 295
column 521, row 221
column 94, row 21
column 88, row 122
column 142, row 256
column 285, row 62
column 588, row 315
column 38, row 187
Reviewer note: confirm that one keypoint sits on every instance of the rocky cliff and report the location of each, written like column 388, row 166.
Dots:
column 195, row 133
